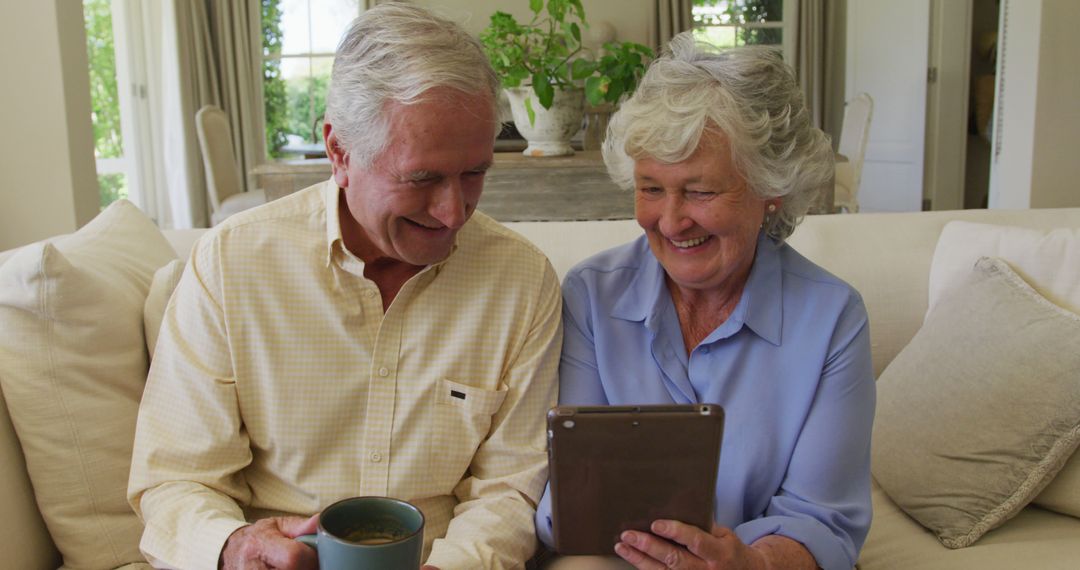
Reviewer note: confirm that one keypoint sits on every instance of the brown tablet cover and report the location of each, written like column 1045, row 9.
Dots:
column 616, row 468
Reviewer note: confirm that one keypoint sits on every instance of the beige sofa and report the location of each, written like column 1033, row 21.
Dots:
column 887, row 257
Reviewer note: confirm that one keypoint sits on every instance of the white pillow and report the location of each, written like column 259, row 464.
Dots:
column 73, row 364
column 161, row 289
column 1048, row 260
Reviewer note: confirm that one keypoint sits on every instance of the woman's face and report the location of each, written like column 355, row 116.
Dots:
column 701, row 219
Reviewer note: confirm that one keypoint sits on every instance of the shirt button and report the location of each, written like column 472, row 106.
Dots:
column 370, row 293
column 384, row 371
column 376, row 456
column 705, row 349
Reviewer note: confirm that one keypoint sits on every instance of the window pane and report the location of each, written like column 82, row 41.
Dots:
column 306, row 81
column 329, row 19
column 761, row 36
column 295, row 30
column 719, row 36
column 111, row 187
column 713, row 12
column 104, row 101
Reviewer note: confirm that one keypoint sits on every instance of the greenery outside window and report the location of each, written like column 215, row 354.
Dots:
column 728, row 23
column 299, row 40
column 105, row 102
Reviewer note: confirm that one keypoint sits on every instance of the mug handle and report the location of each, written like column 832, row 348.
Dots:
column 308, row 539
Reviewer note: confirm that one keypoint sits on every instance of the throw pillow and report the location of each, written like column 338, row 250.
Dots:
column 981, row 409
column 1048, row 260
column 73, row 364
column 161, row 289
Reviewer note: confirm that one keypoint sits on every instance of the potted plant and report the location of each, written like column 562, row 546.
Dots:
column 548, row 74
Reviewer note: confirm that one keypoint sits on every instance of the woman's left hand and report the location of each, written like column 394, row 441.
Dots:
column 674, row 544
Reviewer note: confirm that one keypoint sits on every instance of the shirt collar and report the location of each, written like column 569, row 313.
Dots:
column 331, row 196
column 760, row 307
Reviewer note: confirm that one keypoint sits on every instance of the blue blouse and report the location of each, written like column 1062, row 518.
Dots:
column 791, row 367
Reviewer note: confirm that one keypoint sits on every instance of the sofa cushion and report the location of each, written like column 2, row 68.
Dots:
column 1048, row 260
column 161, row 289
column 1035, row 538
column 981, row 409
column 72, row 365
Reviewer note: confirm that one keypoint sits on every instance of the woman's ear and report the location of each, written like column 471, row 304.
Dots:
column 339, row 157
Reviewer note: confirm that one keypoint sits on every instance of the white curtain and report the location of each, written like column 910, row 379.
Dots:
column 208, row 52
column 669, row 18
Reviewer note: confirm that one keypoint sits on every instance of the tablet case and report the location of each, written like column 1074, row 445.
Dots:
column 615, row 468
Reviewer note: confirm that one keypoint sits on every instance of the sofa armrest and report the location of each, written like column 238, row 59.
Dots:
column 24, row 540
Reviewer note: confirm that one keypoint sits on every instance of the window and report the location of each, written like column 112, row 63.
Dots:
column 120, row 110
column 727, row 23
column 105, row 102
column 299, row 40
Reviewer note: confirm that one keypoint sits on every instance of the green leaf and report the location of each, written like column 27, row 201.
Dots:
column 615, row 90
column 529, row 111
column 536, row 6
column 579, row 8
column 575, row 30
column 543, row 89
column 581, row 69
column 596, row 88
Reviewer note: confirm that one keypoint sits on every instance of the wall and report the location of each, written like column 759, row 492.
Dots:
column 48, row 183
column 1037, row 121
column 1055, row 179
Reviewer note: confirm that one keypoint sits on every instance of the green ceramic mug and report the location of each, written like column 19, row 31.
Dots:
column 368, row 532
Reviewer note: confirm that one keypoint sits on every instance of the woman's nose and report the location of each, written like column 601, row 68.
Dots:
column 673, row 218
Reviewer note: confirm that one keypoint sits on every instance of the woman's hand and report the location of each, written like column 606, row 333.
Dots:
column 678, row 545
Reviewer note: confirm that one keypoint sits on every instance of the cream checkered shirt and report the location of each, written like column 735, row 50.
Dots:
column 280, row 386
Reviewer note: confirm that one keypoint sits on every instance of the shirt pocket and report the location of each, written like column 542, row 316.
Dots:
column 462, row 417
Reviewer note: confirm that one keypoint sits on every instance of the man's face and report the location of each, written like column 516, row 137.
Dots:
column 422, row 188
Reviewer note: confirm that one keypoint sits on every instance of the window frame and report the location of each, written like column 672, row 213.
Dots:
column 788, row 26
column 310, row 57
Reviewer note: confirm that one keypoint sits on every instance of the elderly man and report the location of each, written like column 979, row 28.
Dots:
column 371, row 335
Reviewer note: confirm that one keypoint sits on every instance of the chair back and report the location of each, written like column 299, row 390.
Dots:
column 215, row 144
column 855, row 134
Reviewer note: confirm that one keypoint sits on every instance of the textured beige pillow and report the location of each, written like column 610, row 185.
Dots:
column 72, row 364
column 161, row 289
column 1049, row 261
column 981, row 409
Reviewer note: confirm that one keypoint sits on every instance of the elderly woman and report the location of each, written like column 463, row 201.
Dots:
column 711, row 305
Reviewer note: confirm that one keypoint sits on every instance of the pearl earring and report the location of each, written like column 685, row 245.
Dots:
column 772, row 208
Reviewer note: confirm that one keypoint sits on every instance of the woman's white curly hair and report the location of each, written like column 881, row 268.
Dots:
column 750, row 96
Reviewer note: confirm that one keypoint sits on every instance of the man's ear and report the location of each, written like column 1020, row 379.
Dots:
column 339, row 157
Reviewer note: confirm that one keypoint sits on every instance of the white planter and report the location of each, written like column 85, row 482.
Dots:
column 550, row 134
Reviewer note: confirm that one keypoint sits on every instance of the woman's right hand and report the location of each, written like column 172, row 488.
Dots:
column 673, row 544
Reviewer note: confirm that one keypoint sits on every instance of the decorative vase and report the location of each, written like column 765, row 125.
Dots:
column 550, row 133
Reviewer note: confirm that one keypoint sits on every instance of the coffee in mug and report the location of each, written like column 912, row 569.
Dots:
column 369, row 532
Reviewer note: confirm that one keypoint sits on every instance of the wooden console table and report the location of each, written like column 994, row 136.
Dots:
column 517, row 188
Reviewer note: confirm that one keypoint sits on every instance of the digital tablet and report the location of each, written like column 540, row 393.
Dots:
column 616, row 468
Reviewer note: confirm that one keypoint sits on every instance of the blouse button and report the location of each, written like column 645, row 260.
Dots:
column 384, row 371
column 376, row 456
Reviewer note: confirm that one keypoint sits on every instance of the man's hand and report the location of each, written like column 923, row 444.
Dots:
column 268, row 545
column 683, row 546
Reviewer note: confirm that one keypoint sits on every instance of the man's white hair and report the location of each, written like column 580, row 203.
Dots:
column 397, row 52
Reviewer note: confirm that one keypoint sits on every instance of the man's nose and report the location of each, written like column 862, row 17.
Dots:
column 448, row 205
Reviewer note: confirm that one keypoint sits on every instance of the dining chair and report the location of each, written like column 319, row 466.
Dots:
column 222, row 173
column 852, row 150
